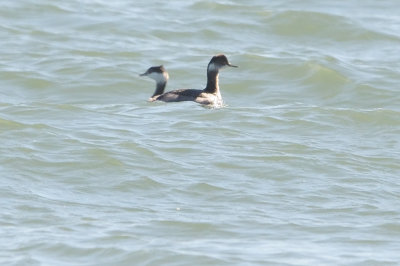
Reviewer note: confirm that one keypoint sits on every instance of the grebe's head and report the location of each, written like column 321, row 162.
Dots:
column 158, row 73
column 219, row 61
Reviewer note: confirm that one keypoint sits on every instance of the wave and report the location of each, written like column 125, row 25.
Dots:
column 299, row 24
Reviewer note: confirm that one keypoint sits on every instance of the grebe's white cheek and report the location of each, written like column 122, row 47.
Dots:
column 158, row 77
column 213, row 67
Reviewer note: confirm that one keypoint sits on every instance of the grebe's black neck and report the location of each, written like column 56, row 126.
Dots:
column 212, row 79
column 160, row 87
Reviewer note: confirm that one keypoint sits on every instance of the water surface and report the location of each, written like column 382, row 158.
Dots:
column 300, row 168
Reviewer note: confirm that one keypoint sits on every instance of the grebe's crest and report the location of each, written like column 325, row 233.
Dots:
column 158, row 73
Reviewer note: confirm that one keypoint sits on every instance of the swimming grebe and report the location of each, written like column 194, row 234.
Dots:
column 210, row 95
column 160, row 75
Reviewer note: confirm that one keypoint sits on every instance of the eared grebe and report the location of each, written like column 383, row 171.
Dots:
column 160, row 75
column 209, row 96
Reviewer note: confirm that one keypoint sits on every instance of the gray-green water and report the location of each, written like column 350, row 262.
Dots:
column 300, row 168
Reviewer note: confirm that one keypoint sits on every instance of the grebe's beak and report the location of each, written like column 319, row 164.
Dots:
column 229, row 64
column 144, row 74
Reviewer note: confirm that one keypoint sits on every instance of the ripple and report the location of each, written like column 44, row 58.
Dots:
column 340, row 28
column 300, row 167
